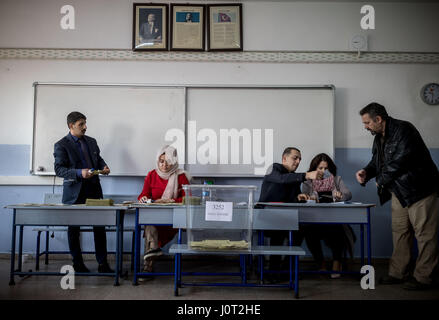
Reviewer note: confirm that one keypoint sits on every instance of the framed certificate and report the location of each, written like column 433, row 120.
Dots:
column 187, row 27
column 224, row 23
column 150, row 26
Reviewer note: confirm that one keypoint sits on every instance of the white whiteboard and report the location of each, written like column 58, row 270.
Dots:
column 128, row 122
column 301, row 117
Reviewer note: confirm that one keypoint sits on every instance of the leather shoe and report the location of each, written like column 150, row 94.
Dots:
column 145, row 278
column 413, row 284
column 80, row 268
column 390, row 280
column 274, row 278
column 105, row 268
column 271, row 278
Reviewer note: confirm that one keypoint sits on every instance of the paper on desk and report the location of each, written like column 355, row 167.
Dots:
column 346, row 202
column 40, row 204
column 218, row 244
column 159, row 204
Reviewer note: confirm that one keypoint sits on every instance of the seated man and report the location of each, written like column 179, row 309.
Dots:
column 282, row 184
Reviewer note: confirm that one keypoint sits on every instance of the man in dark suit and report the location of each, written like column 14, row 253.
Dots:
column 189, row 17
column 282, row 184
column 150, row 31
column 75, row 155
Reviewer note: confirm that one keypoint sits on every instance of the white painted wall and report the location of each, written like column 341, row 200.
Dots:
column 268, row 25
column 394, row 85
column 290, row 25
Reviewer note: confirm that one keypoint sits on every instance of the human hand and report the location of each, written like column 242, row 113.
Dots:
column 337, row 195
column 314, row 175
column 86, row 174
column 106, row 170
column 144, row 199
column 361, row 176
column 302, row 197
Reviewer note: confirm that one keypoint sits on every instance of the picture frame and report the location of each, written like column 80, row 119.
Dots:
column 188, row 30
column 150, row 26
column 224, row 24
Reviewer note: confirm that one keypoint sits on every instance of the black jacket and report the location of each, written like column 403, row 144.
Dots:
column 281, row 185
column 404, row 166
column 67, row 160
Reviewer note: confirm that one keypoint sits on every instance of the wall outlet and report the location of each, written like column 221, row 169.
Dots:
column 358, row 43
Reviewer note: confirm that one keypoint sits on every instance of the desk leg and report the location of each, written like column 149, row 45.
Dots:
column 261, row 257
column 180, row 235
column 369, row 239
column 176, row 275
column 244, row 268
column 137, row 231
column 133, row 241
column 120, row 235
column 46, row 258
column 116, row 278
column 20, row 249
column 11, row 279
column 179, row 269
column 362, row 243
column 37, row 255
column 296, row 278
column 241, row 268
column 290, row 242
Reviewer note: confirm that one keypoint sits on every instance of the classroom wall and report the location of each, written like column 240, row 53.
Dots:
column 298, row 26
column 268, row 25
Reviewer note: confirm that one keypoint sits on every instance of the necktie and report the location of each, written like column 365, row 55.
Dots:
column 85, row 153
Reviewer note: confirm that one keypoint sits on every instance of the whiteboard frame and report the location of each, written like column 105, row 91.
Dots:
column 185, row 88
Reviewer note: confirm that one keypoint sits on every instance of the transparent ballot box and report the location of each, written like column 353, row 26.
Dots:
column 219, row 217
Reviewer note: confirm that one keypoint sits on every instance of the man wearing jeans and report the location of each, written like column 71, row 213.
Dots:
column 406, row 174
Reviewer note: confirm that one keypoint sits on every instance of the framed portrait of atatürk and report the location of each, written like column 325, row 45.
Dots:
column 150, row 26
column 224, row 25
column 188, row 27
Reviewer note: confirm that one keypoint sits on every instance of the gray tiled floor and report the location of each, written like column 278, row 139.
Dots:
column 313, row 287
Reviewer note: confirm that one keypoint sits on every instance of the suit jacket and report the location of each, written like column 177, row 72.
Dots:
column 280, row 185
column 67, row 161
column 146, row 33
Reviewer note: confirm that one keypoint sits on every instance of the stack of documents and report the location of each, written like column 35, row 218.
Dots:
column 99, row 202
column 218, row 244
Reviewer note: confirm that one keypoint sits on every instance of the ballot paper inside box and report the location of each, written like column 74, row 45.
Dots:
column 224, row 218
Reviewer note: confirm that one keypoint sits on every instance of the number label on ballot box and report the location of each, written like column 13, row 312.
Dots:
column 219, row 211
